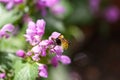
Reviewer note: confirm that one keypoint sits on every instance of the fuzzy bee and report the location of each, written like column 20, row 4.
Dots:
column 61, row 41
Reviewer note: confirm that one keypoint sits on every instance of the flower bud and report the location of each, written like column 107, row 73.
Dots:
column 20, row 53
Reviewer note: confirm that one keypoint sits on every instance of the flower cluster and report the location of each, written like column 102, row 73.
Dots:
column 11, row 3
column 6, row 28
column 35, row 31
column 54, row 5
column 45, row 51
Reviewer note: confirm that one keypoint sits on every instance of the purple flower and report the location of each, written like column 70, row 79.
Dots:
column 11, row 3
column 54, row 61
column 58, row 50
column 42, row 47
column 29, row 53
column 36, row 57
column 43, row 53
column 111, row 14
column 6, row 28
column 37, row 49
column 40, row 27
column 45, row 44
column 20, row 53
column 64, row 59
column 2, row 75
column 35, row 31
column 43, row 71
column 54, row 35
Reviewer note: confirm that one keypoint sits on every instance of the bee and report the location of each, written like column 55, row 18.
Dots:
column 61, row 41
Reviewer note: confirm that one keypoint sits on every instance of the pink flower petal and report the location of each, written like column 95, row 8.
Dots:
column 36, row 49
column 40, row 26
column 10, row 5
column 65, row 59
column 8, row 27
column 36, row 57
column 54, row 35
column 58, row 50
column 43, row 71
column 54, row 61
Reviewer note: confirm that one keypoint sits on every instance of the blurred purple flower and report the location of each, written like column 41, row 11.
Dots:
column 26, row 18
column 20, row 53
column 6, row 28
column 94, row 5
column 46, row 3
column 43, row 71
column 2, row 75
column 54, row 5
column 35, row 32
column 58, row 9
column 41, row 5
column 16, row 31
column 51, row 3
column 11, row 3
column 111, row 13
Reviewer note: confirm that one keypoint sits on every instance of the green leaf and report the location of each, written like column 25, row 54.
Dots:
column 8, row 16
column 25, row 71
column 12, row 44
column 6, row 60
